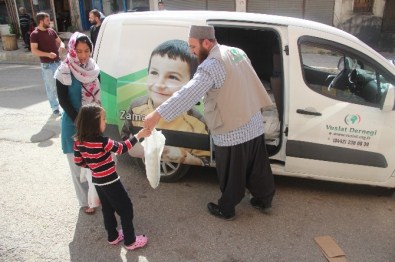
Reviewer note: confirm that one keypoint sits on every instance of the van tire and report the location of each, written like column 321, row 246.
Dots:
column 173, row 172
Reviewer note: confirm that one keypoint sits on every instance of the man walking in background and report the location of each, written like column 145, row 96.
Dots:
column 95, row 20
column 161, row 6
column 46, row 44
column 24, row 22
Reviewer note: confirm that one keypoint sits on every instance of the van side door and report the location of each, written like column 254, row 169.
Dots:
column 337, row 129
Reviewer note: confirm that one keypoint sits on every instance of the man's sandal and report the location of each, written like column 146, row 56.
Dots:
column 141, row 241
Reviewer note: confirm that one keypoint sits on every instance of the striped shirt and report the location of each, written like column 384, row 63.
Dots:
column 210, row 74
column 96, row 155
column 24, row 20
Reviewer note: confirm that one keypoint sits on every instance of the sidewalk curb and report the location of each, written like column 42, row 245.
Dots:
column 22, row 56
column 19, row 56
column 9, row 57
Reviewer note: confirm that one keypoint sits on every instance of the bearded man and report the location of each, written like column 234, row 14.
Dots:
column 233, row 99
column 46, row 44
column 95, row 18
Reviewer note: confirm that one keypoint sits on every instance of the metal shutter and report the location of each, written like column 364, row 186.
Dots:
column 221, row 5
column 292, row 8
column 389, row 17
column 215, row 5
column 320, row 11
column 185, row 5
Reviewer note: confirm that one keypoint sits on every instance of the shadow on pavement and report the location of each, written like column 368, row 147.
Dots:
column 90, row 242
column 51, row 129
column 329, row 187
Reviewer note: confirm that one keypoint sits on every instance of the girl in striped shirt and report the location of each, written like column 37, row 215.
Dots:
column 93, row 150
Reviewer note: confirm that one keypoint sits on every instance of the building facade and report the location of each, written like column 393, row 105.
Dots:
column 372, row 21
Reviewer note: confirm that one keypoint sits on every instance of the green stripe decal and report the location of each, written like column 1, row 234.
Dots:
column 117, row 93
column 124, row 80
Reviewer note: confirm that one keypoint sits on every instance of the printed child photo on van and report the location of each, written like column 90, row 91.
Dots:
column 170, row 66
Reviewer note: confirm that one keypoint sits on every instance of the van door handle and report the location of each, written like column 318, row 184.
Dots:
column 310, row 113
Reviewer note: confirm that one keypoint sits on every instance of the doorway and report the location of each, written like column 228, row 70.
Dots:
column 389, row 17
column 63, row 18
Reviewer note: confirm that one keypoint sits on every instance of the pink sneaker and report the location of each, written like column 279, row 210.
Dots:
column 141, row 241
column 118, row 239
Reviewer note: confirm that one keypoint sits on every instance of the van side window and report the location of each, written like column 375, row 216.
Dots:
column 342, row 75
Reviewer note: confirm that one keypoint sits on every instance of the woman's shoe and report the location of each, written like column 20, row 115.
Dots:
column 141, row 241
column 89, row 210
column 118, row 239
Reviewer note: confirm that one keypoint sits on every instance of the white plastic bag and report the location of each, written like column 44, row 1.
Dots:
column 93, row 198
column 83, row 172
column 271, row 123
column 153, row 148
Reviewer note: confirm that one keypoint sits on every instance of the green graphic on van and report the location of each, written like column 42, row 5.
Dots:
column 237, row 55
column 352, row 119
column 117, row 92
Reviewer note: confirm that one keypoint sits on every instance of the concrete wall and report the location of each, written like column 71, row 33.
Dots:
column 153, row 5
column 4, row 30
column 241, row 6
column 367, row 27
column 107, row 7
column 75, row 15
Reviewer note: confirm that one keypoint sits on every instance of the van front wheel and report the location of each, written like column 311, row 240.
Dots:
column 169, row 171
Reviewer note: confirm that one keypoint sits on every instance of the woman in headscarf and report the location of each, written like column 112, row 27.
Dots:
column 77, row 83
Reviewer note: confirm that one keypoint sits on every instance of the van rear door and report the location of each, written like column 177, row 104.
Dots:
column 337, row 130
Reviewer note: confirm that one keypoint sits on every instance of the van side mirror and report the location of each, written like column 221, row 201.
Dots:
column 389, row 99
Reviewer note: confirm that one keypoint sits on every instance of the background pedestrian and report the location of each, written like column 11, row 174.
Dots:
column 46, row 44
column 24, row 22
column 95, row 20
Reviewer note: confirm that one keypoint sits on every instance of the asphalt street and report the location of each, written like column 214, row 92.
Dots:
column 40, row 219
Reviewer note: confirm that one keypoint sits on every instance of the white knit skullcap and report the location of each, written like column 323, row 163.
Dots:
column 202, row 32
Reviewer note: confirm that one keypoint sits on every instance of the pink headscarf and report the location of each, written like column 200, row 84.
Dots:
column 87, row 73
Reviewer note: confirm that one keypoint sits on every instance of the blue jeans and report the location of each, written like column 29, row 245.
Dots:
column 48, row 72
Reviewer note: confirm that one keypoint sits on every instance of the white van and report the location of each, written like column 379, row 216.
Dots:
column 334, row 117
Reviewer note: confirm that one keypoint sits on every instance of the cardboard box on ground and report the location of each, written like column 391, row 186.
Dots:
column 330, row 249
